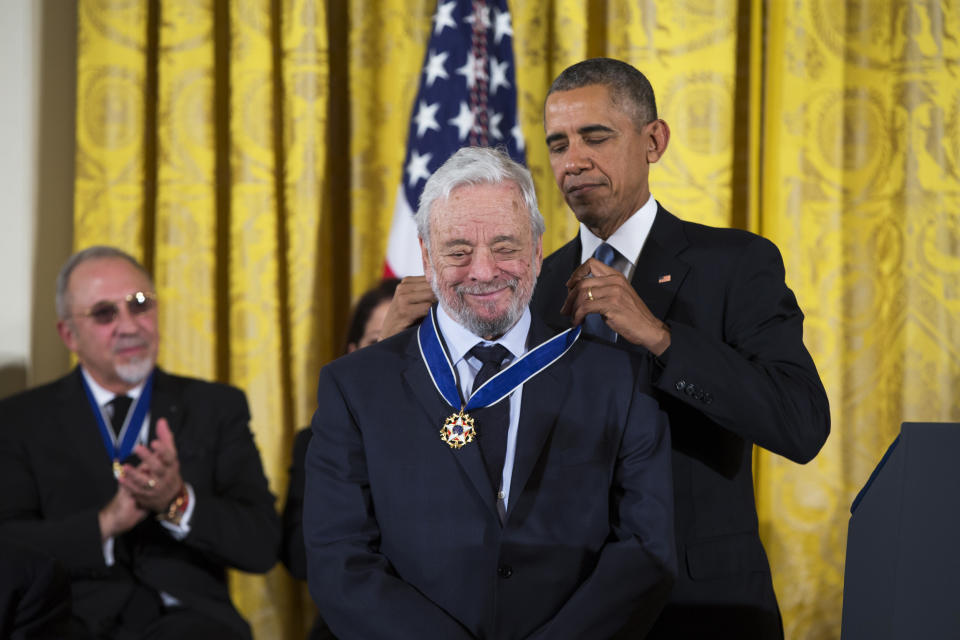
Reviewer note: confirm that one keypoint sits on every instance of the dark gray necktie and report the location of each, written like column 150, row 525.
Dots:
column 491, row 422
column 593, row 323
column 120, row 405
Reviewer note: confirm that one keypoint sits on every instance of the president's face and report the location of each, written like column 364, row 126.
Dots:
column 600, row 160
column 483, row 259
column 119, row 354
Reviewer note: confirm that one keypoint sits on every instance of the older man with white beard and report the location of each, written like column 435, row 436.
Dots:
column 471, row 478
column 144, row 485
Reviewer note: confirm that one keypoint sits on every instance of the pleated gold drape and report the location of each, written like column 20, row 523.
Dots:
column 861, row 187
column 202, row 148
column 249, row 152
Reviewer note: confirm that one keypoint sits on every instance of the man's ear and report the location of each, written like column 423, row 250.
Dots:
column 425, row 258
column 65, row 330
column 658, row 137
column 538, row 257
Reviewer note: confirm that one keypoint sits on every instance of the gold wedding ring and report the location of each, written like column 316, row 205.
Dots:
column 590, row 294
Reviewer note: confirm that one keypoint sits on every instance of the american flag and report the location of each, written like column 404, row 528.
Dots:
column 467, row 97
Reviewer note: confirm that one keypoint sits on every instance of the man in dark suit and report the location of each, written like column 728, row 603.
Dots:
column 446, row 500
column 710, row 309
column 144, row 485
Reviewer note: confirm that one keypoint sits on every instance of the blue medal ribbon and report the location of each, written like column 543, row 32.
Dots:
column 131, row 426
column 499, row 386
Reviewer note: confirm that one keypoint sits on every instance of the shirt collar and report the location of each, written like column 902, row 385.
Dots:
column 460, row 340
column 628, row 240
column 103, row 396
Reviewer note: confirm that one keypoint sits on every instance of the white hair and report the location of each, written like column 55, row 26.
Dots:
column 473, row 166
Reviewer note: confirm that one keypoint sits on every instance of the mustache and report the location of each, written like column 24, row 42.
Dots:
column 128, row 342
column 479, row 288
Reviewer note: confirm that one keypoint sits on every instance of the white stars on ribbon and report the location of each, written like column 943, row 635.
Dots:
column 417, row 167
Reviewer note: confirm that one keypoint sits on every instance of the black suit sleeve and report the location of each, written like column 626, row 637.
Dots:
column 235, row 521
column 357, row 590
column 759, row 380
column 71, row 537
column 637, row 567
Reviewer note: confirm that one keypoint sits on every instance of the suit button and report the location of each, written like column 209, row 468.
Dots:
column 504, row 571
column 681, row 384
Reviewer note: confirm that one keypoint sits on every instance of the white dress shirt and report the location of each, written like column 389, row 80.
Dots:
column 459, row 341
column 628, row 240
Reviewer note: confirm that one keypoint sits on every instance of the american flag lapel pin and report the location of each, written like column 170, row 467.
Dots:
column 664, row 279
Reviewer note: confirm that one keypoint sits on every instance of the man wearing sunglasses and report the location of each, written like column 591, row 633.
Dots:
column 146, row 486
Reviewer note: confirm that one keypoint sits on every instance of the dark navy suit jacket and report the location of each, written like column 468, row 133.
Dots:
column 736, row 374
column 402, row 534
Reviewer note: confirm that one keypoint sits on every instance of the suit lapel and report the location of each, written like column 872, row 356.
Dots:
column 436, row 410
column 539, row 408
column 659, row 271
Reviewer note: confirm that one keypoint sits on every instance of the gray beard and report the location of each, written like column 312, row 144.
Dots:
column 135, row 372
column 456, row 306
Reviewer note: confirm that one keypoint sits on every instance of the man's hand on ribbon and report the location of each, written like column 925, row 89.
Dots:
column 597, row 288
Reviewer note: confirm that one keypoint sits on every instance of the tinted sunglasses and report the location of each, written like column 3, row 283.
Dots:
column 107, row 311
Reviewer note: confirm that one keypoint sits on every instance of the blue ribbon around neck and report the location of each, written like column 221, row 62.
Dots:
column 497, row 387
column 131, row 426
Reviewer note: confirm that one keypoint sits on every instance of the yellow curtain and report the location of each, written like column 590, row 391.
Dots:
column 202, row 149
column 249, row 152
column 861, row 183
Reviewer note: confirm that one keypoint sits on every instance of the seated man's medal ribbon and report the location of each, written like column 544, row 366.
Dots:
column 120, row 447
